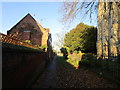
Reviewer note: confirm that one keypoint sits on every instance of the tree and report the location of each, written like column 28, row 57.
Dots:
column 83, row 38
column 72, row 10
column 59, row 39
column 64, row 51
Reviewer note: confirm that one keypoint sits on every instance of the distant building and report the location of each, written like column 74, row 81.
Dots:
column 29, row 29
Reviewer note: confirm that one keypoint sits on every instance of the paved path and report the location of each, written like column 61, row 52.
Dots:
column 60, row 75
column 46, row 80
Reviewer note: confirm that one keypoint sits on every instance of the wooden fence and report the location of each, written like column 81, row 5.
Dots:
column 10, row 40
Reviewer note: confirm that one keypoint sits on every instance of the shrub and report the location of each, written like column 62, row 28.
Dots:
column 76, row 52
column 64, row 51
column 42, row 47
column 74, row 59
column 28, row 41
column 84, row 62
column 88, row 59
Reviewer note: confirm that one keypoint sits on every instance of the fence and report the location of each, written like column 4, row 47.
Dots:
column 107, row 68
column 10, row 40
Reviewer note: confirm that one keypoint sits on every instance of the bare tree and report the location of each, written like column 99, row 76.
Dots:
column 59, row 39
column 72, row 10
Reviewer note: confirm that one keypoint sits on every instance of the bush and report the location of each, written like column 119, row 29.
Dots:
column 84, row 62
column 98, row 63
column 42, row 47
column 74, row 59
column 64, row 51
column 28, row 41
column 88, row 59
column 76, row 52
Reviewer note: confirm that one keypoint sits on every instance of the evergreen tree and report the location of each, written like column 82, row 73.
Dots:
column 83, row 38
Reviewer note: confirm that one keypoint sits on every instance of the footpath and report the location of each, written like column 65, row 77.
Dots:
column 60, row 74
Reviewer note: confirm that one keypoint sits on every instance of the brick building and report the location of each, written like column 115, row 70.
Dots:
column 29, row 29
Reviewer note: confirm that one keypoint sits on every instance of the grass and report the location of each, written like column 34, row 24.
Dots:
column 63, row 62
column 106, row 74
column 101, row 70
column 112, row 73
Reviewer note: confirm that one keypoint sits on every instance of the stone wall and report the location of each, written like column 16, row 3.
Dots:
column 108, row 41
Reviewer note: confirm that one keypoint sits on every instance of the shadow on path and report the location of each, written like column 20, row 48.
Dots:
column 60, row 74
column 46, row 79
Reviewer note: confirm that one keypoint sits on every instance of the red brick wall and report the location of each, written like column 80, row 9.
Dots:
column 20, row 68
column 37, row 35
column 27, row 24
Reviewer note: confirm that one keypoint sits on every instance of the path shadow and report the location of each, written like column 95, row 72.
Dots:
column 61, row 60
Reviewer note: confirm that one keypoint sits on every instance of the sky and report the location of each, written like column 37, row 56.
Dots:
column 46, row 13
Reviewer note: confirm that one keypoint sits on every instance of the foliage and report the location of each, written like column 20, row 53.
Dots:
column 64, row 51
column 28, row 41
column 88, row 60
column 88, row 56
column 75, row 52
column 99, row 66
column 9, row 46
column 83, row 38
column 55, row 51
column 84, row 62
column 67, row 48
column 74, row 59
column 61, row 60
column 42, row 47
